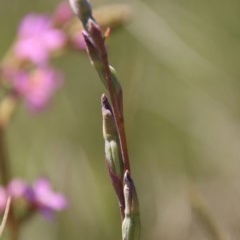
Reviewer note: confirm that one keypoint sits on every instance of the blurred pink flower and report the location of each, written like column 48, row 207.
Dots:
column 39, row 197
column 46, row 199
column 37, row 39
column 36, row 87
column 62, row 14
column 42, row 84
column 17, row 188
column 78, row 41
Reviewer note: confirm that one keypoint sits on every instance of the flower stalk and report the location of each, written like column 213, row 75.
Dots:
column 7, row 107
column 5, row 216
column 116, row 151
column 99, row 59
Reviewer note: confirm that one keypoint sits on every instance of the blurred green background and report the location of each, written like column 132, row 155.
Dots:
column 178, row 61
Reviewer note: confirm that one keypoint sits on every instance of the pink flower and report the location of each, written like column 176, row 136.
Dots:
column 39, row 197
column 17, row 188
column 36, row 87
column 46, row 199
column 37, row 39
column 40, row 87
column 62, row 14
column 78, row 41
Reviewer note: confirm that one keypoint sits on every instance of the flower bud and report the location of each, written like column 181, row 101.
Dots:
column 93, row 53
column 113, row 155
column 131, row 223
column 95, row 32
column 112, row 147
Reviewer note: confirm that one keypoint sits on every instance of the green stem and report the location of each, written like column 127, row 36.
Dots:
column 4, row 163
column 7, row 107
column 6, row 176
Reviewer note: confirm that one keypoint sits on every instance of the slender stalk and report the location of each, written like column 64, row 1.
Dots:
column 6, row 176
column 99, row 57
column 4, row 162
column 7, row 107
column 5, row 216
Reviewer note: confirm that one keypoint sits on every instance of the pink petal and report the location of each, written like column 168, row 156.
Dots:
column 17, row 188
column 54, row 39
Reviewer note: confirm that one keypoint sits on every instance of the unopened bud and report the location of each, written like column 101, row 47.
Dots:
column 131, row 223
column 112, row 146
column 92, row 52
column 97, row 37
column 113, row 155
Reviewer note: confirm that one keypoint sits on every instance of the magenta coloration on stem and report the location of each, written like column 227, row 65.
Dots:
column 116, row 100
column 99, row 58
column 116, row 152
column 95, row 32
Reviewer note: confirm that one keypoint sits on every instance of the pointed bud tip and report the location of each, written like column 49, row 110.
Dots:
column 86, row 36
column 93, row 28
column 127, row 178
column 105, row 103
column 103, row 98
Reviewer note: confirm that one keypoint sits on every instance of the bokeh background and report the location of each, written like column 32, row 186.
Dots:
column 178, row 61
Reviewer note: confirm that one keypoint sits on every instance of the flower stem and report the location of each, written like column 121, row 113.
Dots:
column 4, row 163
column 5, row 216
column 7, row 107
